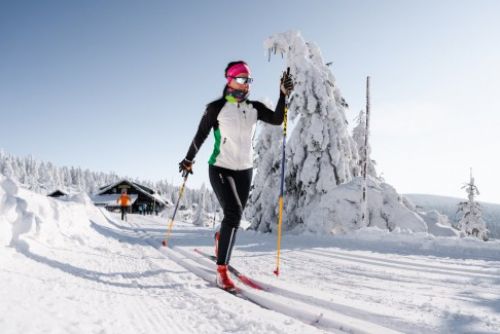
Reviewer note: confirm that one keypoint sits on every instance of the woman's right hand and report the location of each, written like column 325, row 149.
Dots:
column 185, row 167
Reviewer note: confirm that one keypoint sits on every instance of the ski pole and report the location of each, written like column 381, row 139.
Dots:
column 280, row 210
column 171, row 224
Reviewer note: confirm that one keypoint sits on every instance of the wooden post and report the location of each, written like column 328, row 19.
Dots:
column 364, row 204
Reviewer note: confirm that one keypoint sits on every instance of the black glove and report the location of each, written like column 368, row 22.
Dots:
column 286, row 83
column 185, row 167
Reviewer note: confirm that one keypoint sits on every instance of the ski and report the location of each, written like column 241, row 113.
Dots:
column 237, row 292
column 241, row 277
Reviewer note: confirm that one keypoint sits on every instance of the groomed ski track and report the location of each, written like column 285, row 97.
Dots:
column 273, row 299
column 329, row 309
column 280, row 300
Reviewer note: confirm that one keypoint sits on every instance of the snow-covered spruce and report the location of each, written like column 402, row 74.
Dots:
column 322, row 188
column 261, row 210
column 472, row 223
column 199, row 216
column 320, row 154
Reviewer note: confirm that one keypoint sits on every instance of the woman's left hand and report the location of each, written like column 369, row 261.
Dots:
column 286, row 83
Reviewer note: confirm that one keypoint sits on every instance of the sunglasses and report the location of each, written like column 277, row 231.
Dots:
column 243, row 80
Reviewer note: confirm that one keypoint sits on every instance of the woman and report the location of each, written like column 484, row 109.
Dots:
column 233, row 118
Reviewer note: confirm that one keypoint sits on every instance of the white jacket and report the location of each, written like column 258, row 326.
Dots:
column 234, row 127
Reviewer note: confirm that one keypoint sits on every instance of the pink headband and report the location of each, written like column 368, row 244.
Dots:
column 237, row 69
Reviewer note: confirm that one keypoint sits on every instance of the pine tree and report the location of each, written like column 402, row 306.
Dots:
column 7, row 168
column 472, row 223
column 320, row 153
column 266, row 185
column 199, row 216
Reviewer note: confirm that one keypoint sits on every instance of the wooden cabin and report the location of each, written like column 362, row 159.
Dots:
column 141, row 197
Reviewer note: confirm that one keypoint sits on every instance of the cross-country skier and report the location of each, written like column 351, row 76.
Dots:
column 233, row 118
column 124, row 201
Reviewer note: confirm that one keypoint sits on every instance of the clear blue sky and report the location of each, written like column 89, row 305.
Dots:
column 120, row 85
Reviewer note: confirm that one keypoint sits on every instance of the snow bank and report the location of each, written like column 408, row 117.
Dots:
column 439, row 224
column 25, row 215
column 339, row 210
column 407, row 243
column 8, row 204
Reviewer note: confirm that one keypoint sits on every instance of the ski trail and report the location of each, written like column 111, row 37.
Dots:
column 375, row 272
column 124, row 286
column 350, row 267
column 325, row 301
column 400, row 295
column 206, row 274
column 151, row 311
column 321, row 315
column 373, row 278
column 403, row 265
column 310, row 313
column 141, row 319
column 433, row 294
column 300, row 312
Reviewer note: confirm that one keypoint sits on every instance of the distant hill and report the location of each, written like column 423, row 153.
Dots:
column 449, row 205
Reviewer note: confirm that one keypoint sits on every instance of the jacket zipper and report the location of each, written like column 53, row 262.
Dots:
column 240, row 136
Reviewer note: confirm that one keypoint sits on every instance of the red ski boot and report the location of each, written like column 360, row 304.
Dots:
column 222, row 279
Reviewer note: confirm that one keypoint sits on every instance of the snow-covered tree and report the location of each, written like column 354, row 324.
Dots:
column 7, row 169
column 261, row 210
column 359, row 134
column 472, row 223
column 320, row 154
column 199, row 216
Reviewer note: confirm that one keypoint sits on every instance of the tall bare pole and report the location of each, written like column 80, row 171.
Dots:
column 364, row 204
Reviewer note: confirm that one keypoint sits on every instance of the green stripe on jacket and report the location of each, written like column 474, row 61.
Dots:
column 216, row 151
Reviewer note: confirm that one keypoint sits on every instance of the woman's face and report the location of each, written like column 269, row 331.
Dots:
column 243, row 87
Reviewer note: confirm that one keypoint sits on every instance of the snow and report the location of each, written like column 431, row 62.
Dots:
column 438, row 224
column 68, row 267
column 449, row 207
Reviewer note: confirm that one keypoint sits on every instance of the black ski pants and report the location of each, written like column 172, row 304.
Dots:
column 232, row 189
column 123, row 209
